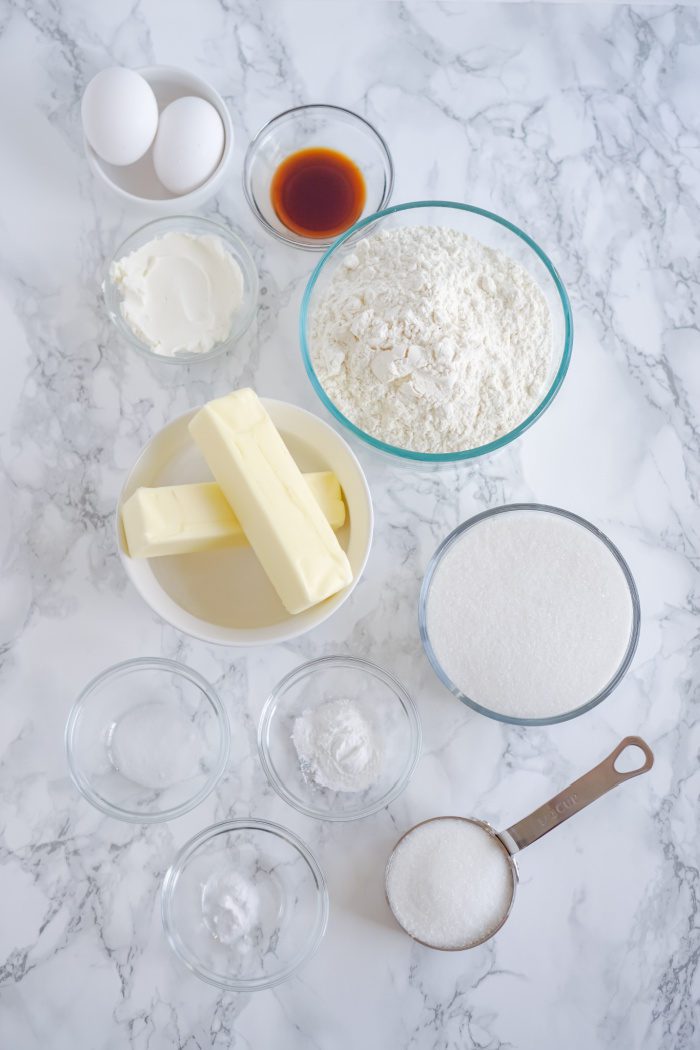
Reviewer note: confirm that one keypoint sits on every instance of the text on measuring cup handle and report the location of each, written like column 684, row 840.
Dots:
column 555, row 809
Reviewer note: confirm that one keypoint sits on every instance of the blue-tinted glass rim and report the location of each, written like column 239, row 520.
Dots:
column 438, row 457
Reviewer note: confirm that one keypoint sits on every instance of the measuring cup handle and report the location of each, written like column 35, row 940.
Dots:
column 599, row 780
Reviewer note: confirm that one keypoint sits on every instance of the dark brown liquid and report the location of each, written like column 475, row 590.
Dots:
column 318, row 192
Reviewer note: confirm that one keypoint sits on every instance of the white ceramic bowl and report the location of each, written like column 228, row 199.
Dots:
column 224, row 596
column 138, row 183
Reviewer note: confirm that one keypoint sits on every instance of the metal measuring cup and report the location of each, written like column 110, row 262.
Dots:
column 591, row 786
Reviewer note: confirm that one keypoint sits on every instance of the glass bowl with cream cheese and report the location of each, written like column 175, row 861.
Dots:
column 181, row 289
column 147, row 740
column 339, row 738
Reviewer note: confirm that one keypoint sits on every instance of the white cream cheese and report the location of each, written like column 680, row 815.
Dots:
column 179, row 292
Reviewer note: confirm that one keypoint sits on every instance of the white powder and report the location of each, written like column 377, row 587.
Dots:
column 428, row 340
column 154, row 745
column 230, row 909
column 529, row 614
column 337, row 747
column 449, row 883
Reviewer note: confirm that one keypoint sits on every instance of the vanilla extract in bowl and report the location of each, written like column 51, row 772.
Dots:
column 318, row 192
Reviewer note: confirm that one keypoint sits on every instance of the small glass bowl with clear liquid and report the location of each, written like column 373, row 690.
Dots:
column 147, row 740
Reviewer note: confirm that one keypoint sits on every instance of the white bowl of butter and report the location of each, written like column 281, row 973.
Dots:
column 181, row 289
column 223, row 595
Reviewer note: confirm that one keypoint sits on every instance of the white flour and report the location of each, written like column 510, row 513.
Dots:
column 428, row 340
column 337, row 747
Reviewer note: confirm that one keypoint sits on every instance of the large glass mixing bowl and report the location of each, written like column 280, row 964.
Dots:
column 491, row 230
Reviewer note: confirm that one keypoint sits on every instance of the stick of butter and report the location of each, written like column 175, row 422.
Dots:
column 184, row 519
column 284, row 524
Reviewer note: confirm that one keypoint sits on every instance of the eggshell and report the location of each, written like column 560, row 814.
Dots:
column 189, row 144
column 120, row 115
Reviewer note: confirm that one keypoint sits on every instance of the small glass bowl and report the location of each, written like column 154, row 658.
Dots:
column 291, row 904
column 387, row 706
column 302, row 128
column 491, row 230
column 498, row 716
column 147, row 740
column 198, row 227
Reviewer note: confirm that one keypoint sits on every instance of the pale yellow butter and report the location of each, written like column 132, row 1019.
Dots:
column 184, row 519
column 284, row 524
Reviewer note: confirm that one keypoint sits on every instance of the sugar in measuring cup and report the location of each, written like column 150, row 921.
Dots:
column 451, row 881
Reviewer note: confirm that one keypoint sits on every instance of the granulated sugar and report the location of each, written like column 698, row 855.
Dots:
column 529, row 614
column 154, row 746
column 449, row 883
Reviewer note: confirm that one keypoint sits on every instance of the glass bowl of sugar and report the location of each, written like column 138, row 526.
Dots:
column 529, row 614
column 339, row 738
column 147, row 740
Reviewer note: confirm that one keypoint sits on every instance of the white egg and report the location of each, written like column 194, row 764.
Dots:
column 189, row 144
column 120, row 115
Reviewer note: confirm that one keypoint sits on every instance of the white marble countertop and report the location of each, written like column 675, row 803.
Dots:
column 579, row 123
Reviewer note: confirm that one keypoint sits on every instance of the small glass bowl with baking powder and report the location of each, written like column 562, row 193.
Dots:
column 383, row 701
column 147, row 740
column 244, row 904
column 197, row 227
column 308, row 127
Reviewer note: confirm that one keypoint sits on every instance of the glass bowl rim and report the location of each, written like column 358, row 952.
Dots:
column 176, row 867
column 158, row 663
column 219, row 229
column 462, row 454
column 309, row 244
column 356, row 663
column 607, row 689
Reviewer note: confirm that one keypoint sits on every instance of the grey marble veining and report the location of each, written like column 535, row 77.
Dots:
column 579, row 123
